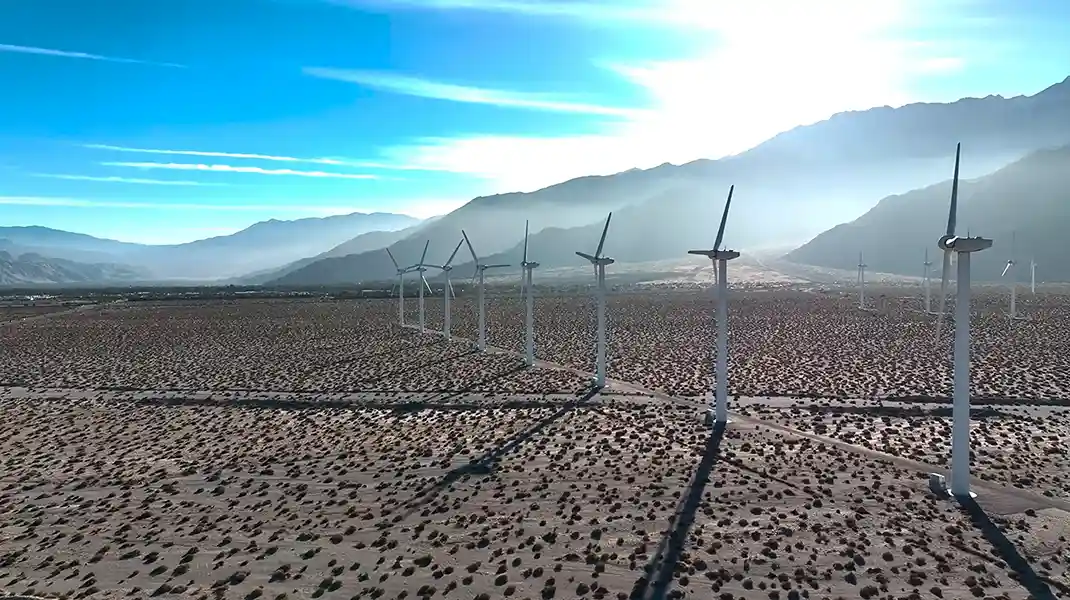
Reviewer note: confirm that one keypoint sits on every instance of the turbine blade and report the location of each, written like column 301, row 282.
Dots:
column 1005, row 269
column 602, row 240
column 450, row 260
column 391, row 255
column 525, row 241
column 587, row 256
column 495, row 266
column 475, row 258
column 724, row 219
column 424, row 255
column 453, row 294
column 952, row 215
column 426, row 284
column 943, row 291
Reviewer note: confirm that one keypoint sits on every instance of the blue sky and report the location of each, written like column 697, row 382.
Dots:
column 169, row 120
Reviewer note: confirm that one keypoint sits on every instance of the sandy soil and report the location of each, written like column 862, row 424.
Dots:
column 603, row 497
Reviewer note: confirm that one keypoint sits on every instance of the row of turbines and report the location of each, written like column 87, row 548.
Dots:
column 956, row 249
column 860, row 281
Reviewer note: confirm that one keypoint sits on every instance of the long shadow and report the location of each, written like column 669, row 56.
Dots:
column 1037, row 587
column 482, row 382
column 418, row 367
column 352, row 359
column 655, row 584
column 485, row 464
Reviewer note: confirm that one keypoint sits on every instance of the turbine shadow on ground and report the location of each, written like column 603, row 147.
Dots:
column 485, row 464
column 659, row 571
column 417, row 367
column 1037, row 587
column 334, row 362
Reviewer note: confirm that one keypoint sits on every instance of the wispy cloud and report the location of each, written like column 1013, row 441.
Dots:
column 597, row 11
column 338, row 162
column 425, row 88
column 83, row 55
column 67, row 202
column 113, row 179
column 237, row 169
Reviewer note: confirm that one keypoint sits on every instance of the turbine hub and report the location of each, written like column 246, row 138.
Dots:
column 947, row 242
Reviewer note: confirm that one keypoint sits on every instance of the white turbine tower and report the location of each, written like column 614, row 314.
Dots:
column 861, row 282
column 401, row 287
column 1033, row 276
column 927, row 283
column 421, row 268
column 527, row 267
column 447, row 291
column 954, row 245
column 480, row 269
column 599, row 263
column 1013, row 314
column 720, row 259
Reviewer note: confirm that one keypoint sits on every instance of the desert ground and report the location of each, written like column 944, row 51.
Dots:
column 314, row 448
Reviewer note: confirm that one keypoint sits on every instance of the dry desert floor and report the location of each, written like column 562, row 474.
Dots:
column 306, row 449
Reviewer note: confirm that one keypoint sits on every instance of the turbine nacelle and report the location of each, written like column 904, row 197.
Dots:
column 716, row 254
column 596, row 260
column 951, row 243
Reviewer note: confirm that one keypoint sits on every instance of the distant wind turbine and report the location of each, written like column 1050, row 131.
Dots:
column 447, row 291
column 720, row 259
column 861, row 282
column 421, row 268
column 600, row 262
column 401, row 287
column 480, row 269
column 928, row 283
column 1013, row 313
column 527, row 268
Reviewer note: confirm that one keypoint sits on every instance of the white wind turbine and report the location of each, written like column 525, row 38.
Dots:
column 527, row 267
column 961, row 246
column 1013, row 314
column 401, row 287
column 421, row 268
column 927, row 283
column 480, row 269
column 599, row 263
column 1033, row 276
column 447, row 291
column 861, row 282
column 720, row 259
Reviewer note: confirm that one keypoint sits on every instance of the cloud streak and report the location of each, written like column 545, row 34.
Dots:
column 83, row 55
column 113, row 179
column 216, row 168
column 425, row 88
column 339, row 162
column 593, row 11
column 68, row 202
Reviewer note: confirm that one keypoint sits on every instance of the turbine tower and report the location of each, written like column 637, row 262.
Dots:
column 720, row 259
column 861, row 282
column 447, row 291
column 599, row 263
column 1033, row 276
column 401, row 287
column 480, row 269
column 1013, row 314
column 421, row 268
column 527, row 268
column 963, row 247
column 927, row 283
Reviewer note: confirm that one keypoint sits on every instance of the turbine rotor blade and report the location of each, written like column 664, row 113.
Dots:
column 424, row 255
column 422, row 278
column 943, row 291
column 525, row 241
column 450, row 260
column 602, row 240
column 952, row 215
column 475, row 258
column 452, row 293
column 391, row 255
column 1005, row 269
column 724, row 219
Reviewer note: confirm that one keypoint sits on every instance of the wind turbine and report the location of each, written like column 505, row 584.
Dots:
column 720, row 259
column 1033, row 276
column 401, row 287
column 928, row 283
column 421, row 268
column 1013, row 314
column 447, row 291
column 480, row 269
column 599, row 263
column 529, row 316
column 861, row 282
column 961, row 246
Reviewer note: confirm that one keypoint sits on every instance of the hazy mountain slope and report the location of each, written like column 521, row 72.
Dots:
column 1030, row 197
column 373, row 240
column 79, row 255
column 788, row 189
column 64, row 244
column 36, row 269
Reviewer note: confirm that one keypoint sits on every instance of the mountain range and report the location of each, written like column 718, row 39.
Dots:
column 797, row 186
column 788, row 189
